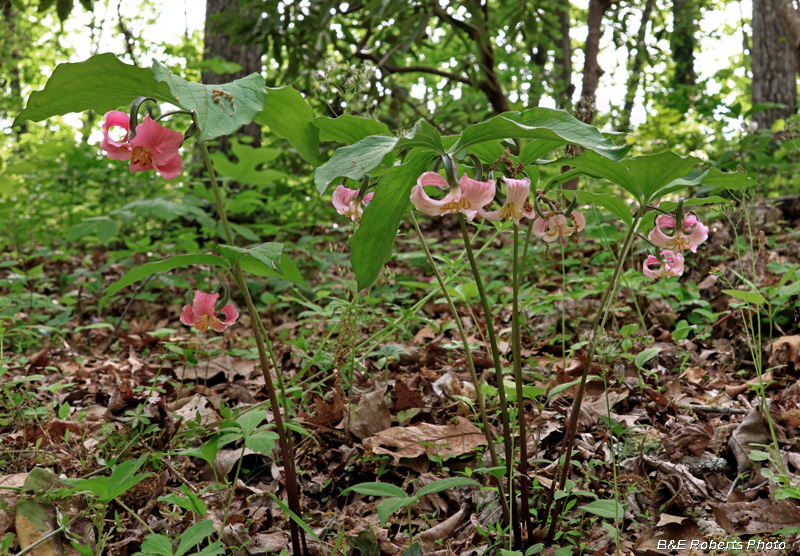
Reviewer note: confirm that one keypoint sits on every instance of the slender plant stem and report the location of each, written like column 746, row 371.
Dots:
column 517, row 350
column 134, row 515
column 498, row 369
column 286, row 454
column 572, row 424
column 470, row 363
column 233, row 490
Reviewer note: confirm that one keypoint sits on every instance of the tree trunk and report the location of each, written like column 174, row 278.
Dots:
column 774, row 65
column 592, row 71
column 636, row 68
column 564, row 87
column 683, row 41
column 217, row 43
column 789, row 17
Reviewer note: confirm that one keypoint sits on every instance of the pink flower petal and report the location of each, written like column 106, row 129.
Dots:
column 187, row 316
column 432, row 207
column 433, row 178
column 231, row 314
column 171, row 169
column 204, row 303
column 578, row 220
column 116, row 150
column 341, row 199
column 155, row 146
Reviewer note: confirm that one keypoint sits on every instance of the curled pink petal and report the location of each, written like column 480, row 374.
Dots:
column 539, row 227
column 204, row 303
column 432, row 207
column 578, row 221
column 474, row 195
column 664, row 234
column 514, row 207
column 116, row 150
column 231, row 314
column 347, row 203
column 697, row 236
column 433, row 178
column 187, row 316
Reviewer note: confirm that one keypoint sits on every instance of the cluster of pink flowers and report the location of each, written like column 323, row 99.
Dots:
column 665, row 234
column 202, row 313
column 153, row 146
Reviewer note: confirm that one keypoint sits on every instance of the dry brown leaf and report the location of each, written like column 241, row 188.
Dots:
column 443, row 530
column 8, row 499
column 440, row 440
column 229, row 366
column 195, row 405
column 689, row 439
column 786, row 351
column 750, row 518
column 372, row 415
column 750, row 431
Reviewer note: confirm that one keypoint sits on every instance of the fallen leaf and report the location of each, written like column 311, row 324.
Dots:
column 8, row 499
column 371, row 415
column 441, row 440
column 750, row 518
column 689, row 439
column 194, row 406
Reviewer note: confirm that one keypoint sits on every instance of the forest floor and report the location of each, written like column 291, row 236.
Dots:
column 677, row 434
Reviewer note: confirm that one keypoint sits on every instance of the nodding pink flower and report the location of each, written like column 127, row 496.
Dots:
column 672, row 265
column 347, row 203
column 516, row 205
column 555, row 225
column 693, row 233
column 153, row 147
column 202, row 314
column 468, row 197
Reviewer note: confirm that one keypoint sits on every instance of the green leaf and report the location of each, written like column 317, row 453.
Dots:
column 372, row 244
column 290, row 117
column 349, row 129
column 124, row 477
column 262, row 442
column 178, row 261
column 609, row 509
column 194, row 535
column 754, row 298
column 268, row 254
column 246, row 168
column 214, row 549
column 613, row 203
column 445, row 484
column 790, row 290
column 250, row 420
column 555, row 126
column 646, row 355
column 157, row 545
column 191, row 502
column 423, row 136
column 245, row 98
column 388, row 506
column 354, row 161
column 101, row 83
column 289, row 269
column 297, row 519
column 377, row 489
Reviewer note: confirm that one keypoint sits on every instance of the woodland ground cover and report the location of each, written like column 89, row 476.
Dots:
column 204, row 354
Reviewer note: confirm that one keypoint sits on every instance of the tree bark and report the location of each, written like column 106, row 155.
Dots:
column 636, row 67
column 774, row 65
column 564, row 87
column 218, row 43
column 682, row 41
column 592, row 71
column 790, row 23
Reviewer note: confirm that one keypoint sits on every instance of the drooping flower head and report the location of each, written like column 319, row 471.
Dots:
column 468, row 196
column 516, row 205
column 671, row 264
column 347, row 203
column 153, row 147
column 202, row 314
column 690, row 236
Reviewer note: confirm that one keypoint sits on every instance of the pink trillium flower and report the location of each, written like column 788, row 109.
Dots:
column 516, row 205
column 153, row 147
column 693, row 233
column 347, row 203
column 202, row 314
column 555, row 225
column 672, row 265
column 469, row 197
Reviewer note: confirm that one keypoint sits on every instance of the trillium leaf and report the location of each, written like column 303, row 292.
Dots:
column 424, row 136
column 609, row 509
column 612, row 203
column 290, row 117
column 388, row 506
column 349, row 129
column 239, row 101
column 354, row 161
column 101, row 83
column 377, row 489
column 555, row 126
column 372, row 244
column 178, row 261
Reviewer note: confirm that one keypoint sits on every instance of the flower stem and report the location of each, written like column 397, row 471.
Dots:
column 470, row 363
column 516, row 346
column 498, row 370
column 572, row 424
column 286, row 452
